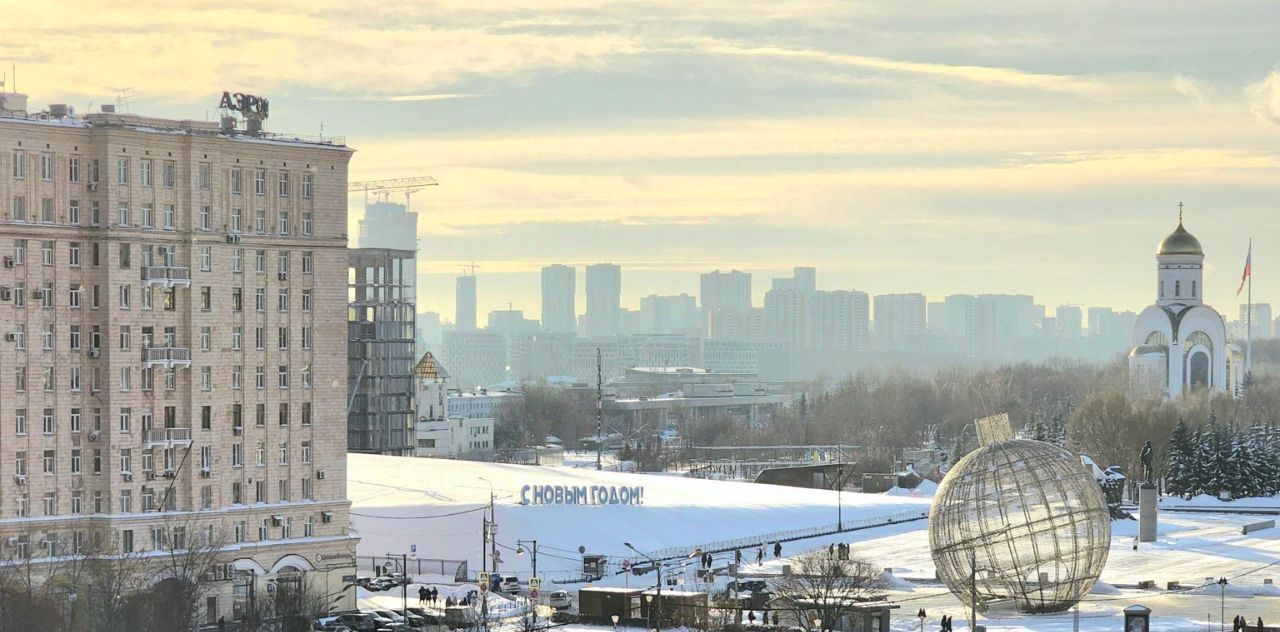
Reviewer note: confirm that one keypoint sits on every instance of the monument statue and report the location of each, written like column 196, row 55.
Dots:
column 1148, row 471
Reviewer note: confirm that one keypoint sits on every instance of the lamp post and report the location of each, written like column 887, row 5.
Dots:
column 404, row 583
column 657, row 624
column 615, row 622
column 922, row 615
column 1222, row 613
column 533, row 550
column 490, row 530
column 840, row 499
column 817, row 623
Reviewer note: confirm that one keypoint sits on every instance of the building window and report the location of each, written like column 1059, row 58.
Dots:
column 46, row 253
column 170, row 216
column 144, row 173
column 46, row 210
column 20, row 421
column 75, row 461
column 19, row 165
column 283, row 375
column 237, row 181
column 237, row 260
column 206, row 171
column 284, row 453
column 126, row 419
column 260, row 221
column 73, row 169
column 237, row 219
column 237, row 378
column 282, row 222
column 19, row 208
column 46, row 166
column 306, row 262
column 283, row 337
column 47, row 462
column 122, row 214
column 170, row 174
column 283, row 186
column 205, row 217
column 237, row 458
column 284, row 413
column 206, row 338
column 206, row 418
column 306, row 223
column 260, row 182
column 306, row 413
column 73, row 212
column 306, row 300
column 306, row 451
column 306, row 186
column 46, row 421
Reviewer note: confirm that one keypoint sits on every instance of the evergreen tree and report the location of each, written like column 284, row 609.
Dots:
column 1236, row 467
column 1180, row 462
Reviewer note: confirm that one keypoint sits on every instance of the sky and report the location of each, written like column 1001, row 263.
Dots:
column 935, row 147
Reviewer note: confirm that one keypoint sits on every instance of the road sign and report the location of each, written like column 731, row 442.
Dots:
column 533, row 594
column 483, row 579
column 535, row 584
column 413, row 548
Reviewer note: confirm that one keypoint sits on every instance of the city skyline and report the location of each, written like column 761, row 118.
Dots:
column 1025, row 149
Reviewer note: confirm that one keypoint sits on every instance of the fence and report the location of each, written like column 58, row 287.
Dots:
column 457, row 569
column 788, row 536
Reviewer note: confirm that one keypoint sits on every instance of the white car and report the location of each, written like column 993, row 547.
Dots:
column 561, row 600
column 509, row 584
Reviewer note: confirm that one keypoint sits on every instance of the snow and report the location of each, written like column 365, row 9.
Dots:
column 1213, row 502
column 926, row 489
column 438, row 504
column 394, row 498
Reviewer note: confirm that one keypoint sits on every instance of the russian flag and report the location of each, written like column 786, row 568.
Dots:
column 1248, row 269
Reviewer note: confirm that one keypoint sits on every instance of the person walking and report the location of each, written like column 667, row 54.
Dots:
column 751, row 617
column 737, row 556
column 760, row 555
column 777, row 549
column 423, row 594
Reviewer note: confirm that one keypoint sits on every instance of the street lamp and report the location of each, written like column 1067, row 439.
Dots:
column 533, row 549
column 489, row 529
column 922, row 615
column 658, row 567
column 615, row 622
column 404, row 583
column 817, row 623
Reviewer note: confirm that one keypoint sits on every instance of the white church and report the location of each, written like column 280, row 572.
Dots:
column 1180, row 344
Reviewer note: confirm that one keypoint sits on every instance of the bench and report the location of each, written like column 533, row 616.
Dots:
column 1257, row 526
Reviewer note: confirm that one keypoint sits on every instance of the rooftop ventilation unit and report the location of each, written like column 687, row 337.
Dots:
column 108, row 108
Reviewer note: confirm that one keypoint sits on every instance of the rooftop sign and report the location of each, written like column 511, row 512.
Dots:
column 246, row 104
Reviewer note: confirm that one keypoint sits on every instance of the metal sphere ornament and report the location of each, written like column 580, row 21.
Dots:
column 1019, row 520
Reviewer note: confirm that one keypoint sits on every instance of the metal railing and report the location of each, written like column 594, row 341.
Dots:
column 166, row 355
column 167, row 275
column 167, row 435
column 417, row 566
column 764, row 539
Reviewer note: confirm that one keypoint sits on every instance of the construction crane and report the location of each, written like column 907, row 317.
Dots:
column 385, row 187
column 471, row 268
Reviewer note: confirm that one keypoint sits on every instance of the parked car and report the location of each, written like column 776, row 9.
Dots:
column 398, row 620
column 429, row 617
column 357, row 621
column 386, row 582
column 561, row 600
column 509, row 584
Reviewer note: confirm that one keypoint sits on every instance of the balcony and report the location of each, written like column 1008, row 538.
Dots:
column 166, row 276
column 166, row 357
column 167, row 437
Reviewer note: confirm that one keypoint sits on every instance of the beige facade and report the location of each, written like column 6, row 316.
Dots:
column 173, row 310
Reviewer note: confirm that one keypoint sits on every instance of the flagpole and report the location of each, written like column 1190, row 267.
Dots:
column 1248, row 341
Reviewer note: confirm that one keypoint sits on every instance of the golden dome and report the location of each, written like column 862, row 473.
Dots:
column 1180, row 242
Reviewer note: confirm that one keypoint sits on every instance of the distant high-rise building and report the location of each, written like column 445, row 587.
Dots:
column 670, row 315
column 899, row 321
column 937, row 321
column 558, row 299
column 838, row 320
column 737, row 325
column 803, row 279
column 726, row 291
column 1068, row 320
column 388, row 225
column 477, row 358
column 1261, row 319
column 465, row 307
column 604, row 299
column 429, row 331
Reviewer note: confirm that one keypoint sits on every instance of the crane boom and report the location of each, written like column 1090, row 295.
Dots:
column 394, row 184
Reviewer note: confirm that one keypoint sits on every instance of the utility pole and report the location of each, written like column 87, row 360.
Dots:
column 599, row 411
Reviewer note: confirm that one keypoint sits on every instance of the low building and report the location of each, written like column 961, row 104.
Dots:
column 480, row 403
column 455, row 436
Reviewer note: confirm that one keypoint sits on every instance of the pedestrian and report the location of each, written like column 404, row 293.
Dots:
column 737, row 556
column 1236, row 623
column 831, row 550
column 435, row 595
column 423, row 594
column 222, row 624
column 777, row 549
column 760, row 555
column 1260, row 626
column 775, row 617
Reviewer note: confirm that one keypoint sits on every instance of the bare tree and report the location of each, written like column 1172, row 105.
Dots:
column 824, row 587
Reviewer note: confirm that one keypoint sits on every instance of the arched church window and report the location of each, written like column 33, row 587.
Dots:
column 1199, row 338
column 1177, row 289
column 1157, row 338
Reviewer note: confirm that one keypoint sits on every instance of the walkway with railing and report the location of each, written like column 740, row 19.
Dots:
column 767, row 539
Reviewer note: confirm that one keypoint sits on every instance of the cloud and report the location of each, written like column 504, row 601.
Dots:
column 396, row 98
column 1264, row 98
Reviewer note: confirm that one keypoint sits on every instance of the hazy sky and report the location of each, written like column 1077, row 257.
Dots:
column 898, row 146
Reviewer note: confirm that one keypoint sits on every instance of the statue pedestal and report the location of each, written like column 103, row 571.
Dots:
column 1147, row 513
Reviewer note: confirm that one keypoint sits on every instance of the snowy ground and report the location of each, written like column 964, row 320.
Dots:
column 434, row 504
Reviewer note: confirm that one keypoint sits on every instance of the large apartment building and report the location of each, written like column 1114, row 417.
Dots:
column 174, row 341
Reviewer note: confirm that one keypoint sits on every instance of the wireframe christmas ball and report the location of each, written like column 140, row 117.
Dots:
column 1028, row 518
